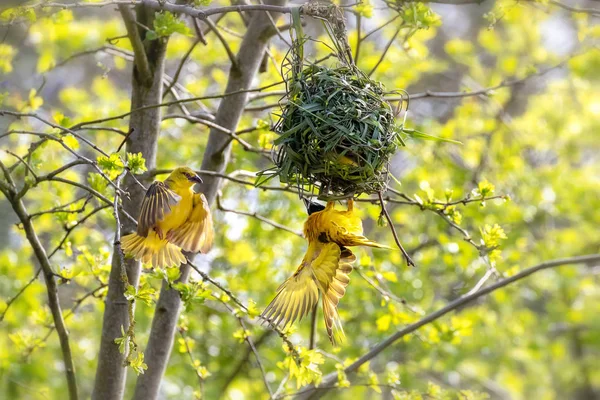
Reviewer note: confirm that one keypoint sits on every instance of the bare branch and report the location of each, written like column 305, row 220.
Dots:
column 215, row 29
column 258, row 217
column 409, row 260
column 313, row 393
column 385, row 50
column 51, row 287
column 243, row 307
column 139, row 51
column 70, row 228
column 182, row 62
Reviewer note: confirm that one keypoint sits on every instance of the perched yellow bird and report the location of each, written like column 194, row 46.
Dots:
column 172, row 218
column 324, row 270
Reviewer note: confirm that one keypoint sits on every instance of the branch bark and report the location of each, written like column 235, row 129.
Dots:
column 327, row 382
column 51, row 288
column 111, row 371
column 160, row 342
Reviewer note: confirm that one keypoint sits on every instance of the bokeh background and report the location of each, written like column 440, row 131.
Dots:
column 518, row 83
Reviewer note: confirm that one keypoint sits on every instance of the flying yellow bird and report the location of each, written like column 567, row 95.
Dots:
column 324, row 270
column 172, row 218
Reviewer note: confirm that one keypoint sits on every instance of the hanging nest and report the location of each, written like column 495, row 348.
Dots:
column 337, row 133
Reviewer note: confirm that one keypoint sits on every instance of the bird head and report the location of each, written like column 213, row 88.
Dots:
column 312, row 207
column 185, row 176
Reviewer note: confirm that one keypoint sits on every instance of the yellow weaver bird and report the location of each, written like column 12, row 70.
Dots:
column 323, row 271
column 172, row 218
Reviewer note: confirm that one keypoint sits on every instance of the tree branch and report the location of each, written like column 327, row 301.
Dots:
column 216, row 157
column 145, row 127
column 258, row 217
column 314, row 393
column 140, row 58
column 252, row 49
column 51, row 287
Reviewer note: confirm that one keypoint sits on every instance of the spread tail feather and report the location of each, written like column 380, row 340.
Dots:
column 151, row 249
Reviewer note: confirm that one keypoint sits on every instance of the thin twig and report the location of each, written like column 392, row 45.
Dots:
column 125, row 139
column 358, row 39
column 215, row 29
column 385, row 50
column 409, row 261
column 19, row 293
column 243, row 360
column 192, row 361
column 258, row 217
column 183, row 61
column 275, row 328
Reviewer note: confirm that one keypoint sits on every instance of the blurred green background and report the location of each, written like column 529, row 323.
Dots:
column 534, row 138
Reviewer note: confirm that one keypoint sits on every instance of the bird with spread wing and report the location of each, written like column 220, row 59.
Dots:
column 325, row 269
column 172, row 218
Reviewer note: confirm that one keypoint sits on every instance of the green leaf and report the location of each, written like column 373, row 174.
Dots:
column 172, row 274
column 421, row 135
column 97, row 182
column 145, row 293
column 166, row 23
column 151, row 35
column 71, row 141
column 136, row 163
column 136, row 362
column 111, row 165
column 122, row 341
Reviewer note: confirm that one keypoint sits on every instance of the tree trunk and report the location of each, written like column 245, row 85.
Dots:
column 111, row 371
column 218, row 148
column 216, row 157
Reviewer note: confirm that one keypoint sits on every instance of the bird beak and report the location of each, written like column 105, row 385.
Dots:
column 306, row 203
column 196, row 179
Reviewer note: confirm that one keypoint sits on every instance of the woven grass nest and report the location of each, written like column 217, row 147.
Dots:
column 337, row 133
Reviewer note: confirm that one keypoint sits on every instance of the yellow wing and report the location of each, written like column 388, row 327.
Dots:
column 196, row 234
column 156, row 205
column 335, row 292
column 319, row 272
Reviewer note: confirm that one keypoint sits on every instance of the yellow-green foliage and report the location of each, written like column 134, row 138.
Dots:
column 536, row 143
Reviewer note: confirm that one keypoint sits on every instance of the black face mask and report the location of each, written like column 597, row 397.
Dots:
column 312, row 207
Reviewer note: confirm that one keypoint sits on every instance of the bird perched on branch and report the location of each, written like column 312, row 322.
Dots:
column 172, row 218
column 323, row 271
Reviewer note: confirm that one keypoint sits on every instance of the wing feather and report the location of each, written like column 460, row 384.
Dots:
column 324, row 270
column 335, row 292
column 196, row 234
column 297, row 296
column 156, row 205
